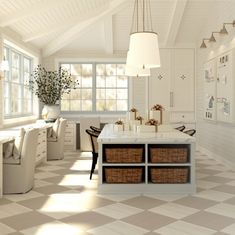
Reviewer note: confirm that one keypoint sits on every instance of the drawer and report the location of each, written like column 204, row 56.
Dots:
column 70, row 125
column 182, row 117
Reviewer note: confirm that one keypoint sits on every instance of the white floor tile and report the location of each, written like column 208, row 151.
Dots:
column 118, row 210
column 231, row 183
column 223, row 209
column 230, row 229
column 118, row 197
column 41, row 183
column 12, row 209
column 201, row 175
column 117, row 228
column 55, row 227
column 214, row 195
column 174, row 210
column 183, row 228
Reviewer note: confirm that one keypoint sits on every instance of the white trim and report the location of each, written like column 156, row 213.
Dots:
column 220, row 159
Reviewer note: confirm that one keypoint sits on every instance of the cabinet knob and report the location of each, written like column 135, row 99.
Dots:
column 160, row 77
column 183, row 77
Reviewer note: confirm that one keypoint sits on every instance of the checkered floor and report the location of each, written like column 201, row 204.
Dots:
column 64, row 202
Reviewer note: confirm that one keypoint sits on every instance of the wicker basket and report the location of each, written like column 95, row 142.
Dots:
column 124, row 155
column 170, row 175
column 123, row 175
column 168, row 155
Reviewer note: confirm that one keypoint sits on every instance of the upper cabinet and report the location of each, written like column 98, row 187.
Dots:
column 172, row 85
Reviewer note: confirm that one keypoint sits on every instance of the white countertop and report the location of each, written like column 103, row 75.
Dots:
column 166, row 134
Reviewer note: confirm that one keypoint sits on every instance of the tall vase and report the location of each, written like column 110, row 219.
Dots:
column 50, row 111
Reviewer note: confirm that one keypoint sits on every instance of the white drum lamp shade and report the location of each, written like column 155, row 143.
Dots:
column 144, row 50
column 135, row 72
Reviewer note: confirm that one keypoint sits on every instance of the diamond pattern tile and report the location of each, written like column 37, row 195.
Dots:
column 65, row 201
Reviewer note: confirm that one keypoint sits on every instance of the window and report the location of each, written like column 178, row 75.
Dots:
column 102, row 87
column 18, row 99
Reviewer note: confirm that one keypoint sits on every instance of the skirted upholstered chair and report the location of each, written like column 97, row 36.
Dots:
column 55, row 143
column 18, row 167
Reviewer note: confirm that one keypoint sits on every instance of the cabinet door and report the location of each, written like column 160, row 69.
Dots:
column 182, row 96
column 159, row 82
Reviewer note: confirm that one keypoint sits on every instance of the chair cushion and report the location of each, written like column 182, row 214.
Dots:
column 8, row 150
column 19, row 143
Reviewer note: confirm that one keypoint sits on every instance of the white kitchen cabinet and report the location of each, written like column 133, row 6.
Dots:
column 172, row 85
column 70, row 136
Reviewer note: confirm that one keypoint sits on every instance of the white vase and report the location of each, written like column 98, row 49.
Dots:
column 51, row 111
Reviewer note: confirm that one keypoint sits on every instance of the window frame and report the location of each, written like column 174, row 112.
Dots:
column 94, row 88
column 22, row 84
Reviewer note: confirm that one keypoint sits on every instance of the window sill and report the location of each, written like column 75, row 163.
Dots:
column 19, row 121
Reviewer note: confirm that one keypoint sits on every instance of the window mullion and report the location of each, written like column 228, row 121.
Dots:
column 94, row 87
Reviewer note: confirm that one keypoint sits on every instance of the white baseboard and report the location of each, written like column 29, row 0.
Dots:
column 217, row 157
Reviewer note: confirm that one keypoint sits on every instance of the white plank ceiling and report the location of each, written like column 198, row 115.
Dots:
column 99, row 25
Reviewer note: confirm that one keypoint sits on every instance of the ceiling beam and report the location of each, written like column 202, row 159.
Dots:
column 108, row 34
column 71, row 34
column 175, row 22
column 51, row 28
column 34, row 9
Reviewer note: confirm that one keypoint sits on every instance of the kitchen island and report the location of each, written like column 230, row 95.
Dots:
column 131, row 162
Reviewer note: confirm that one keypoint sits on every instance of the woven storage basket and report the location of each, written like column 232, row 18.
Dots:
column 168, row 155
column 124, row 155
column 170, row 175
column 123, row 175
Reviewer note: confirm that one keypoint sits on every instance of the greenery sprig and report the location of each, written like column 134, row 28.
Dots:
column 49, row 86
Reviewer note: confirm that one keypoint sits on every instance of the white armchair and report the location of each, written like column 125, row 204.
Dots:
column 18, row 176
column 55, row 145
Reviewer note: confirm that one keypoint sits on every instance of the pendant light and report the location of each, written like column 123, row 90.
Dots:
column 143, row 47
column 135, row 72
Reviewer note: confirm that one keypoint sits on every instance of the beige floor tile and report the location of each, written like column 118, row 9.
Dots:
column 166, row 197
column 118, row 210
column 87, row 220
column 229, row 175
column 217, row 179
column 209, row 220
column 4, row 229
column 223, row 209
column 143, row 202
column 118, row 197
column 26, row 220
column 226, row 189
column 206, row 184
column 34, row 203
column 44, row 175
column 148, row 220
column 117, row 228
column 174, row 210
column 24, row 196
column 232, row 183
column 183, row 228
column 195, row 202
column 201, row 175
column 4, row 201
column 40, row 183
column 12, row 209
column 51, row 189
column 208, row 171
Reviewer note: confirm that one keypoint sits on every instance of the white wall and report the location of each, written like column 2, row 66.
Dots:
column 218, row 138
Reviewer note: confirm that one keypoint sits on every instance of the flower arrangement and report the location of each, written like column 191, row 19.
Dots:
column 151, row 122
column 134, row 110
column 157, row 107
column 119, row 122
column 139, row 118
column 49, row 86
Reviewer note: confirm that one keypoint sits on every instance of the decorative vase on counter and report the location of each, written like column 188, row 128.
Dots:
column 50, row 111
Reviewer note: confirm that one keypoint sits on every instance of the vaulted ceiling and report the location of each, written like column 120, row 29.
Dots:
column 99, row 25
